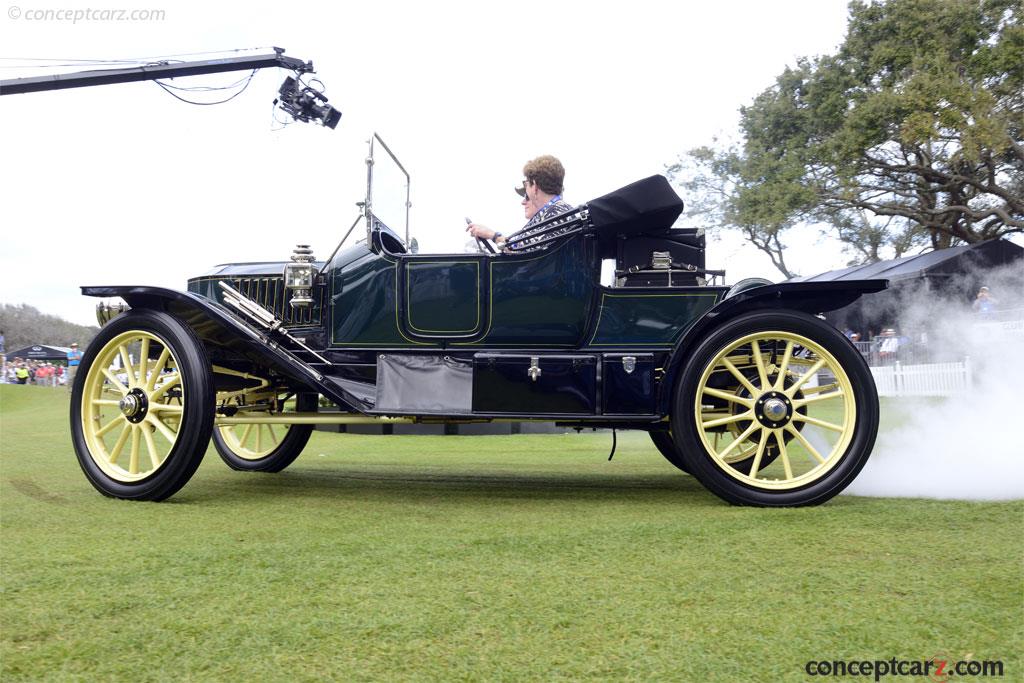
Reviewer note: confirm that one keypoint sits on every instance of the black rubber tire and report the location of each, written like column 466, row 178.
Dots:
column 285, row 454
column 663, row 441
column 700, row 463
column 196, row 424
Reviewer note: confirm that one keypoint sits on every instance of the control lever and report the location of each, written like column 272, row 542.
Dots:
column 481, row 244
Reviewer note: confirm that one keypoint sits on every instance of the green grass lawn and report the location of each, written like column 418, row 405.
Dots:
column 477, row 558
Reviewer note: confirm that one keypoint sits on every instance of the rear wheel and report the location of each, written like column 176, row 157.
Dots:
column 777, row 409
column 142, row 407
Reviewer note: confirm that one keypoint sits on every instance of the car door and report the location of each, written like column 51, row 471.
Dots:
column 443, row 297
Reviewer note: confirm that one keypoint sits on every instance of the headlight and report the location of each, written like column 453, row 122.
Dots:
column 106, row 311
column 299, row 276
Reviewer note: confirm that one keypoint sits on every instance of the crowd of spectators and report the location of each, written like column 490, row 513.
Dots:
column 41, row 372
column 31, row 371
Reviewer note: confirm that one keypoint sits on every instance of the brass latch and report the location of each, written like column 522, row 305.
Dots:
column 534, row 371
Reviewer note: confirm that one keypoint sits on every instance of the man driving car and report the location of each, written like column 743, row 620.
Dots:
column 542, row 196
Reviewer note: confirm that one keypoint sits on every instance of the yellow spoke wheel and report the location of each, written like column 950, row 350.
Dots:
column 781, row 407
column 140, row 406
column 256, row 447
column 253, row 441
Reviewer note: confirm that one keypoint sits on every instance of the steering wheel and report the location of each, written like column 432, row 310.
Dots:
column 485, row 246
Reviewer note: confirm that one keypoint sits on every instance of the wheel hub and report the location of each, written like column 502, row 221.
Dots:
column 134, row 405
column 773, row 410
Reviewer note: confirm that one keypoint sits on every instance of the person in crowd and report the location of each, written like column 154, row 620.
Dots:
column 21, row 373
column 541, row 194
column 889, row 345
column 74, row 358
column 984, row 304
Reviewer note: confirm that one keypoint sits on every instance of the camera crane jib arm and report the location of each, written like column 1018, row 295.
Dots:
column 302, row 102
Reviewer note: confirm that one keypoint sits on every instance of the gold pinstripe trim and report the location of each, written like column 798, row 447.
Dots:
column 408, row 294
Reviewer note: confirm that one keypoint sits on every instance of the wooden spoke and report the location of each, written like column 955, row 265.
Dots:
column 245, row 435
column 800, row 402
column 728, row 419
column 106, row 402
column 761, row 445
column 147, row 433
column 110, row 425
column 143, row 362
column 811, row 372
column 725, row 395
column 162, row 428
column 805, row 443
column 114, row 381
column 158, row 368
column 784, row 367
column 783, row 453
column 166, row 408
column 164, row 388
column 126, row 365
column 809, row 391
column 739, row 439
column 762, row 373
column 122, row 439
column 818, row 423
column 739, row 376
column 133, row 457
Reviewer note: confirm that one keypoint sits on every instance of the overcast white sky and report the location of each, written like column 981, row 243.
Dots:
column 122, row 184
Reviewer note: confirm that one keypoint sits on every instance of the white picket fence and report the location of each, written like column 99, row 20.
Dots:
column 932, row 379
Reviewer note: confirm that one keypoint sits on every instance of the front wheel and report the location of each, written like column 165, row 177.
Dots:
column 142, row 406
column 663, row 442
column 776, row 408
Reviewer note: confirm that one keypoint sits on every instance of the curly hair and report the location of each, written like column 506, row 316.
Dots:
column 547, row 172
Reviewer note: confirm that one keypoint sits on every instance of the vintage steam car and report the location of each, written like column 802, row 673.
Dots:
column 743, row 387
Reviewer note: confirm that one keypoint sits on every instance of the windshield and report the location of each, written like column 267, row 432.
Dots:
column 387, row 189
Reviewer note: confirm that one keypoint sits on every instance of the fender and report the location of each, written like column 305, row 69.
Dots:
column 809, row 297
column 217, row 327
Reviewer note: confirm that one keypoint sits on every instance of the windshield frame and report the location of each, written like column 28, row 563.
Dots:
column 372, row 218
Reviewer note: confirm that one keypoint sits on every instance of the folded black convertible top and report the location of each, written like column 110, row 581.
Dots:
column 646, row 206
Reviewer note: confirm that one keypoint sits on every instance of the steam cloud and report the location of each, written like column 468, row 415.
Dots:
column 966, row 447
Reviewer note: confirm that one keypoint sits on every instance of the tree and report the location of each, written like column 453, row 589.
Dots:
column 24, row 325
column 909, row 136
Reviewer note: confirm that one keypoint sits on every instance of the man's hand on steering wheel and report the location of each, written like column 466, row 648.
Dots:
column 483, row 236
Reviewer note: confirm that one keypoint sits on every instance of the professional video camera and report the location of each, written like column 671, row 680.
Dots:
column 306, row 104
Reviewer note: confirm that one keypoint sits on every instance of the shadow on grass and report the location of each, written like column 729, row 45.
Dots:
column 404, row 485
